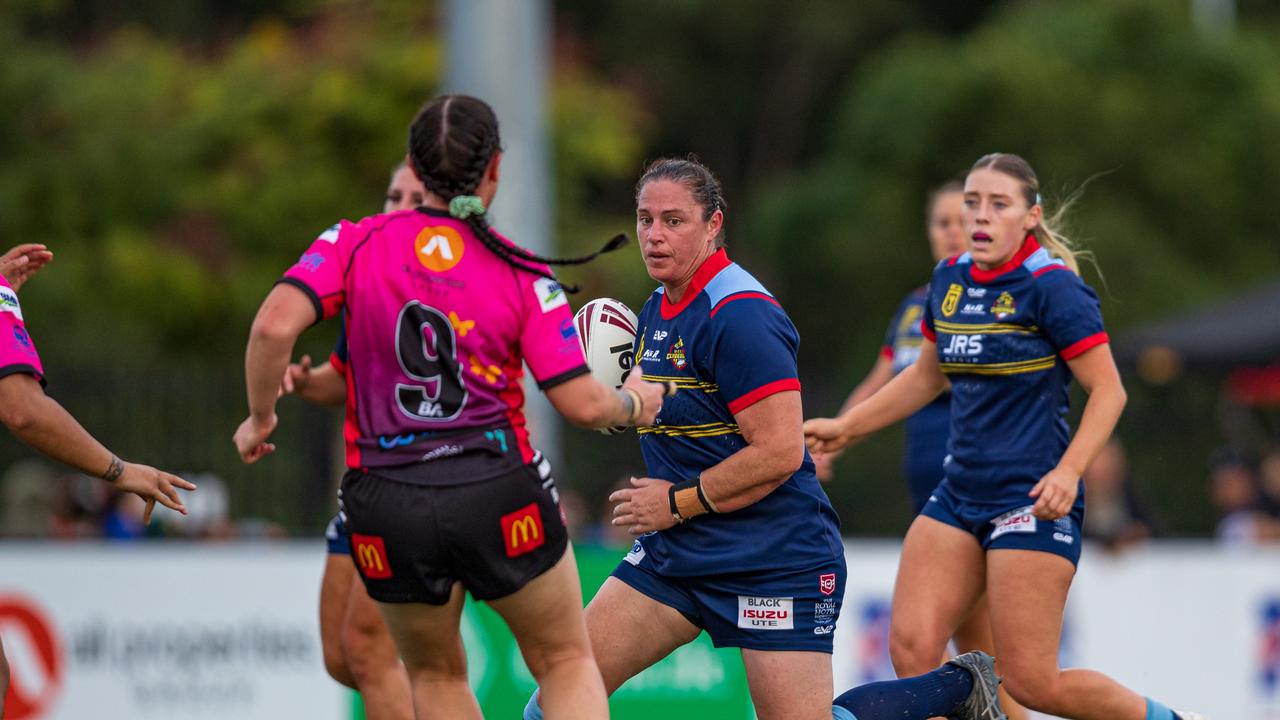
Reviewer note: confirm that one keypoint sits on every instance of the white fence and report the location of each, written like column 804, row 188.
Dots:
column 181, row 631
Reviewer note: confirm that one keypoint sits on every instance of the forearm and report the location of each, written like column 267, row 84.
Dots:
column 265, row 361
column 900, row 398
column 880, row 375
column 746, row 477
column 1101, row 413
column 588, row 403
column 52, row 431
column 325, row 387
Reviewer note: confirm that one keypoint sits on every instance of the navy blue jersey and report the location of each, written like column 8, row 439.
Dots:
column 1004, row 336
column 727, row 345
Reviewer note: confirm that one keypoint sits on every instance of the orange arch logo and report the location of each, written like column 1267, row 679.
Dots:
column 438, row 248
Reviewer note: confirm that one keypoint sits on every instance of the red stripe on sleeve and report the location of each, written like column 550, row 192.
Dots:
column 1049, row 268
column 928, row 332
column 763, row 392
column 742, row 296
column 338, row 363
column 886, row 352
column 1077, row 348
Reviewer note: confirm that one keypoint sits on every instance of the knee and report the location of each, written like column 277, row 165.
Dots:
column 364, row 642
column 914, row 651
column 544, row 660
column 1037, row 691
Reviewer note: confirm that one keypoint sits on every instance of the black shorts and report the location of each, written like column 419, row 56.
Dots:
column 412, row 542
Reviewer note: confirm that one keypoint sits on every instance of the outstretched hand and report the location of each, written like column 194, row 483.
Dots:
column 153, row 486
column 23, row 261
column 644, row 507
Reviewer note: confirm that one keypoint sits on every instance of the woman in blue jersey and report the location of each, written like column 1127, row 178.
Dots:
column 736, row 537
column 1006, row 517
column 927, row 429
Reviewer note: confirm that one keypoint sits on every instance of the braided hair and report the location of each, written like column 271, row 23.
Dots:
column 451, row 142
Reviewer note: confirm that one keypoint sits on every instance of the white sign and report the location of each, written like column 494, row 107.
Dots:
column 169, row 631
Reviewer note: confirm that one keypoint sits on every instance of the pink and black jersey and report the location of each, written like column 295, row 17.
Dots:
column 436, row 329
column 17, row 352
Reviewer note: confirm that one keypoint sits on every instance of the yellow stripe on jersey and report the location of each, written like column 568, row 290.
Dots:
column 1006, row 368
column 686, row 383
column 692, row 431
column 985, row 328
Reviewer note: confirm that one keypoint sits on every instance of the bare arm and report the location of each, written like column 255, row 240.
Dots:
column 285, row 313
column 879, row 376
column 323, row 386
column 39, row 421
column 774, row 451
column 1095, row 370
column 587, row 402
column 911, row 390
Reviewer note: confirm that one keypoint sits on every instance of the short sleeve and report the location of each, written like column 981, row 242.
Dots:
column 926, row 314
column 320, row 271
column 1069, row 313
column 548, row 339
column 17, row 351
column 753, row 352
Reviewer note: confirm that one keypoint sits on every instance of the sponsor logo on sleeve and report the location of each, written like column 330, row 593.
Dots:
column 331, row 235
column 951, row 300
column 9, row 302
column 439, row 248
column 1014, row 521
column 765, row 613
column 371, row 556
column 311, row 262
column 24, row 340
column 827, row 583
column 550, row 294
column 522, row 530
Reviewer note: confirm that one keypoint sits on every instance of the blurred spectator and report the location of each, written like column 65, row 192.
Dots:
column 30, row 498
column 1269, row 482
column 1115, row 517
column 1234, row 491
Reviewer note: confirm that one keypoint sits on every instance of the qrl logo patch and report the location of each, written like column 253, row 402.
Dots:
column 827, row 583
column 371, row 555
column 760, row 613
column 522, row 530
column 1015, row 521
column 951, row 299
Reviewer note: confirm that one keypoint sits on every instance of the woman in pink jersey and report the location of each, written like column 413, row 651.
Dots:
column 445, row 494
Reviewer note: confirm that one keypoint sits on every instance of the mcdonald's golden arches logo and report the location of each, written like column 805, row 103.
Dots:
column 522, row 530
column 371, row 556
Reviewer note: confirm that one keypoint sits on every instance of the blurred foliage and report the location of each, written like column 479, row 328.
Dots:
column 178, row 156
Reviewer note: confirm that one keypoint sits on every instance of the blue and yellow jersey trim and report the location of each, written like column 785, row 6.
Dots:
column 692, row 431
column 1005, row 368
column 984, row 328
column 683, row 383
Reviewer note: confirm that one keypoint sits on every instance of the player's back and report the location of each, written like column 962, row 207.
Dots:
column 437, row 327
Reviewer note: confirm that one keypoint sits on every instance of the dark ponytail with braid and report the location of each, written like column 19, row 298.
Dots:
column 451, row 142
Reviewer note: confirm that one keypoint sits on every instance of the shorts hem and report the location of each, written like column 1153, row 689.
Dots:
column 530, row 577
column 768, row 647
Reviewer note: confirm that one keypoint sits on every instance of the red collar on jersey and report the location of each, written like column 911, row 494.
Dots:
column 709, row 269
column 1029, row 246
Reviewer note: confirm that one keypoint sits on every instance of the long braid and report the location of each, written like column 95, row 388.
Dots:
column 451, row 142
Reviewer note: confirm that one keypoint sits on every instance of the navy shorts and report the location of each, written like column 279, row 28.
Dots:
column 335, row 535
column 769, row 610
column 1009, row 526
